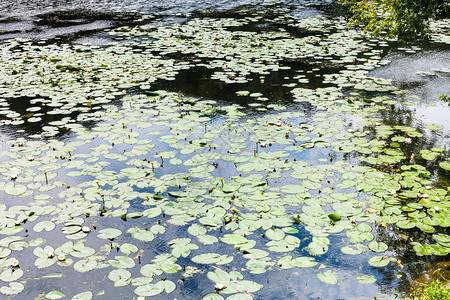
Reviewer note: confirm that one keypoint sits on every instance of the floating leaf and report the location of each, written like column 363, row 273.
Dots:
column 85, row 265
column 328, row 277
column 15, row 190
column 83, row 296
column 54, row 295
column 366, row 279
column 167, row 285
column 234, row 239
column 122, row 262
column 212, row 296
column 13, row 288
column 148, row 290
column 445, row 165
column 350, row 250
column 128, row 248
column 170, row 268
column 11, row 275
column 334, row 217
column 377, row 246
column 44, row 225
column 379, row 261
column 109, row 233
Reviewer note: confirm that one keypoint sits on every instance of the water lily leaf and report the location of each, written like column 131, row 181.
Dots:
column 4, row 252
column 219, row 276
column 334, row 217
column 425, row 249
column 379, row 261
column 148, row 290
column 167, row 285
column 83, row 296
column 15, row 190
column 11, row 230
column 280, row 246
column 44, row 225
column 54, row 295
column 377, row 246
column 44, row 262
column 240, row 296
column 119, row 276
column 11, row 275
column 405, row 224
column 18, row 246
column 328, row 277
column 275, row 234
column 234, row 239
column 212, row 258
column 122, row 262
column 350, row 250
column 85, row 265
column 109, row 233
column 150, row 270
column 246, row 286
column 445, row 165
column 207, row 239
column 152, row 212
column 139, row 281
column 170, row 268
column 196, row 229
column 128, row 248
column 303, row 262
column 143, row 235
column 13, row 288
column 246, row 168
column 366, row 279
column 362, row 227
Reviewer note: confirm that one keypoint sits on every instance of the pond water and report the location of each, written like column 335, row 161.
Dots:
column 220, row 150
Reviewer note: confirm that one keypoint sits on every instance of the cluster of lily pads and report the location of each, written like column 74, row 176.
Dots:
column 154, row 188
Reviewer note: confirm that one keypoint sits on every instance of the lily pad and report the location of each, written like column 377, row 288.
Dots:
column 379, row 261
column 13, row 288
column 328, row 277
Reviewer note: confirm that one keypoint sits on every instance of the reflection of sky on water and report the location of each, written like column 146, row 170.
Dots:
column 405, row 70
column 20, row 18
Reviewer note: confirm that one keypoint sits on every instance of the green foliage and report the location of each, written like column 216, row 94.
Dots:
column 434, row 290
column 397, row 18
column 445, row 98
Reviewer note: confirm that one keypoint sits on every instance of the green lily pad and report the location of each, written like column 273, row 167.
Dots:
column 445, row 165
column 377, row 246
column 44, row 225
column 15, row 190
column 13, row 288
column 128, row 248
column 85, row 265
column 328, row 277
column 234, row 239
column 54, row 295
column 11, row 275
column 334, row 217
column 148, row 290
column 122, row 262
column 366, row 279
column 109, row 233
column 379, row 261
column 170, row 268
column 212, row 296
column 351, row 250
